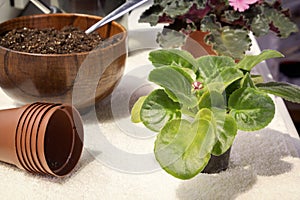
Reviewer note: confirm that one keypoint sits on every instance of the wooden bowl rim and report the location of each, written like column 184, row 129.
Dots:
column 114, row 23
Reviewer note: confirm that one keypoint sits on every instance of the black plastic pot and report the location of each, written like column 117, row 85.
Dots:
column 217, row 164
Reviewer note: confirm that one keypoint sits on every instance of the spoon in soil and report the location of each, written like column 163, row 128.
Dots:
column 120, row 11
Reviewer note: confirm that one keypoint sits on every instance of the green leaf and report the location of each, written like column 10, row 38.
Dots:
column 280, row 21
column 231, row 15
column 224, row 126
column 170, row 39
column 257, row 78
column 233, row 87
column 260, row 26
column 136, row 109
column 151, row 15
column 270, row 2
column 183, row 149
column 212, row 99
column 177, row 8
column 175, row 57
column 287, row 91
column 163, row 3
column 210, row 23
column 226, row 130
column 204, row 113
column 247, row 81
column 250, row 61
column 158, row 109
column 211, row 65
column 189, row 112
column 252, row 109
column 227, row 76
column 177, row 81
column 230, row 42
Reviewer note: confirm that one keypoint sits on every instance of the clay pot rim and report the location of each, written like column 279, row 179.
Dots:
column 123, row 31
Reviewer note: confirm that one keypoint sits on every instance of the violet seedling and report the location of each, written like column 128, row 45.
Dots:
column 202, row 103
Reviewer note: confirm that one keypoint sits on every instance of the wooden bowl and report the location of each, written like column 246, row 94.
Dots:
column 78, row 78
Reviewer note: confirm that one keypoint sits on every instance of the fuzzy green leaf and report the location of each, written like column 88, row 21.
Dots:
column 151, row 15
column 177, row 81
column 257, row 78
column 260, row 26
column 175, row 57
column 252, row 109
column 224, row 126
column 232, row 16
column 211, row 99
column 270, row 2
column 210, row 66
column 230, row 42
column 250, row 61
column 247, row 81
column 287, row 91
column 171, row 39
column 157, row 109
column 135, row 111
column 177, row 8
column 183, row 149
column 226, row 130
column 229, row 75
column 281, row 22
column 163, row 3
column 209, row 23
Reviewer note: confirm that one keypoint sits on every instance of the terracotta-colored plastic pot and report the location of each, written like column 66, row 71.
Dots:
column 42, row 138
column 196, row 45
column 23, row 136
column 34, row 131
column 58, row 155
column 9, row 121
column 23, row 125
column 29, row 135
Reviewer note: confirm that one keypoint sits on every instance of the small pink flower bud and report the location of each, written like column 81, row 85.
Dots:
column 197, row 85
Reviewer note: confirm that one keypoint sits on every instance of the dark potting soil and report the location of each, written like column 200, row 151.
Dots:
column 51, row 41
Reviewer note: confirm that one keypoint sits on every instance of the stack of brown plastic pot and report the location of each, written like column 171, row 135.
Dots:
column 41, row 138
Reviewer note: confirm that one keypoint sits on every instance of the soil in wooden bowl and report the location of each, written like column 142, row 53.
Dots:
column 78, row 78
column 68, row 40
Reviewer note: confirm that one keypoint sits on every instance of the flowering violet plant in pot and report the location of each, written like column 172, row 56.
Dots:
column 227, row 23
column 202, row 103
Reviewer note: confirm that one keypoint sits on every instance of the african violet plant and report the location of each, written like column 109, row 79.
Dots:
column 228, row 22
column 202, row 103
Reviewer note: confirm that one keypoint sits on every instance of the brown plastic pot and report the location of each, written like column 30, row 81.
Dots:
column 42, row 138
column 33, row 145
column 28, row 135
column 59, row 153
column 19, row 135
column 24, row 137
column 196, row 45
column 9, row 121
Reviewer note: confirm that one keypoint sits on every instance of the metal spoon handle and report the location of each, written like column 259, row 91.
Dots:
column 45, row 8
column 120, row 11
